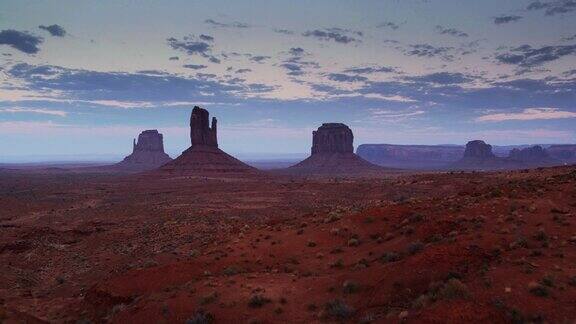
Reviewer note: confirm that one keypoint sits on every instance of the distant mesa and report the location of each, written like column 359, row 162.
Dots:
column 147, row 153
column 532, row 155
column 478, row 151
column 419, row 157
column 479, row 155
column 333, row 153
column 204, row 157
column 563, row 152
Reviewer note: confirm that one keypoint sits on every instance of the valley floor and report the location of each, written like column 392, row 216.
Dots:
column 421, row 248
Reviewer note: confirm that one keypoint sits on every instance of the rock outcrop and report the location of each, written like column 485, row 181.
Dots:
column 204, row 157
column 333, row 153
column 147, row 153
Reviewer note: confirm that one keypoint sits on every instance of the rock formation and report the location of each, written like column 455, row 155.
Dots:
column 479, row 156
column 529, row 154
column 147, row 152
column 204, row 157
column 332, row 138
column 478, row 151
column 200, row 132
column 333, row 153
column 411, row 156
column 565, row 153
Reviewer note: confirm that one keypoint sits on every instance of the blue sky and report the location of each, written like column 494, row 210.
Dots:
column 84, row 78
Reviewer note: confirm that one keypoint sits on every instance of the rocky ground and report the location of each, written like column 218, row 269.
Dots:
column 418, row 248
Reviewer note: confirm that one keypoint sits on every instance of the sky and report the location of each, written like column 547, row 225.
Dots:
column 80, row 79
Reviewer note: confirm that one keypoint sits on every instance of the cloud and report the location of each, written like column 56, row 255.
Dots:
column 442, row 78
column 340, row 77
column 394, row 116
column 54, row 30
column 195, row 66
column 259, row 58
column 370, row 70
column 77, row 84
column 427, row 50
column 190, row 46
column 388, row 24
column 450, row 31
column 233, row 24
column 506, row 19
column 296, row 65
column 193, row 45
column 22, row 41
column 552, row 8
column 293, row 69
column 284, row 31
column 338, row 35
column 296, row 51
column 528, row 114
column 13, row 110
column 206, row 38
column 527, row 56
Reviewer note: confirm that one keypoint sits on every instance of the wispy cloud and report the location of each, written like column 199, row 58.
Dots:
column 234, row 24
column 528, row 114
column 42, row 111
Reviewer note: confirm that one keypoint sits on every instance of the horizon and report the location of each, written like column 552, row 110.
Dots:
column 80, row 79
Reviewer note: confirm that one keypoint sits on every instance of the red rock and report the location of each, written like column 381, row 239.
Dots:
column 333, row 153
column 204, row 156
column 147, row 153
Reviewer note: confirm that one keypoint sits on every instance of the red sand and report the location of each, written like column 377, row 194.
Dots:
column 430, row 248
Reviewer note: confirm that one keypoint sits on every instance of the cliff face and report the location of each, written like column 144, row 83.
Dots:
column 530, row 154
column 201, row 133
column 332, row 138
column 147, row 152
column 411, row 156
column 565, row 153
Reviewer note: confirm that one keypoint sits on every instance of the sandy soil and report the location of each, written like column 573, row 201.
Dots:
column 416, row 248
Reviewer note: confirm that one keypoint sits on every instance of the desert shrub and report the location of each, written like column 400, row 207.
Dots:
column 353, row 242
column 547, row 280
column 350, row 287
column 538, row 290
column 338, row 309
column 415, row 247
column 208, row 299
column 339, row 264
column 390, row 257
column 200, row 317
column 257, row 301
column 453, row 289
column 231, row 270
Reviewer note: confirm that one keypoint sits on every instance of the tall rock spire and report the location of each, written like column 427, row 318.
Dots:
column 201, row 134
